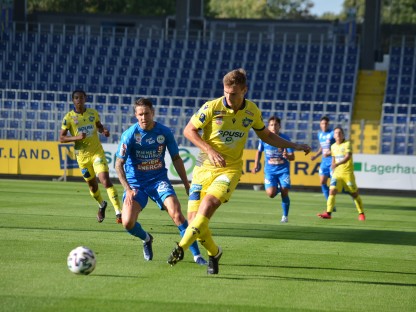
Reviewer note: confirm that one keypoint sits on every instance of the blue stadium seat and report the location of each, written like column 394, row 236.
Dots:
column 155, row 91
column 346, row 97
column 301, row 136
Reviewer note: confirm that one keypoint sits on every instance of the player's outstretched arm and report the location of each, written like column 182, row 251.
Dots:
column 271, row 138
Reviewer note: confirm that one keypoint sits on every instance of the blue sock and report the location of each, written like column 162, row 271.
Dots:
column 138, row 231
column 194, row 247
column 325, row 190
column 285, row 205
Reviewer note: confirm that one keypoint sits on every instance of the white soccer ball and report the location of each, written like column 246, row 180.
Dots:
column 81, row 260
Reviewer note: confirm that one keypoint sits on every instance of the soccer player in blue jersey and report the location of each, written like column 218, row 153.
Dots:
column 326, row 139
column 141, row 169
column 83, row 124
column 276, row 167
column 225, row 123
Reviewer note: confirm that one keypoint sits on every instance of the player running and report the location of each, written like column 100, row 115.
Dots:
column 326, row 139
column 276, row 167
column 141, row 169
column 83, row 124
column 343, row 177
column 225, row 123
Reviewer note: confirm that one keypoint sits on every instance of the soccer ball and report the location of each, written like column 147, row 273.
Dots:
column 81, row 260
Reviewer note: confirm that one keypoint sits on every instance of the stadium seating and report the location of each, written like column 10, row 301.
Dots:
column 179, row 73
column 398, row 120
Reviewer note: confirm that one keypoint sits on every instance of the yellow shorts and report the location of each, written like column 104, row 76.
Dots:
column 220, row 183
column 92, row 165
column 344, row 182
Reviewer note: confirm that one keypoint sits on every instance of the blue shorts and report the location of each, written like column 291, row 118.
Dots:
column 325, row 170
column 279, row 180
column 158, row 191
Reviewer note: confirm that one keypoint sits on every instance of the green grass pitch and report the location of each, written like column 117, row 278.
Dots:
column 308, row 264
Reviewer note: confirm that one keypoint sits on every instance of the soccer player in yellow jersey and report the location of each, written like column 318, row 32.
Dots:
column 83, row 124
column 343, row 175
column 225, row 122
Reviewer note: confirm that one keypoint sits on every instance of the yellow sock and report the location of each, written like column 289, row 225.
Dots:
column 330, row 204
column 359, row 204
column 208, row 243
column 97, row 196
column 198, row 229
column 113, row 195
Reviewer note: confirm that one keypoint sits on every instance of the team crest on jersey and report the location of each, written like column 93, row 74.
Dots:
column 160, row 139
column 249, row 113
column 202, row 117
column 247, row 122
column 75, row 119
column 219, row 121
column 138, row 138
column 91, row 118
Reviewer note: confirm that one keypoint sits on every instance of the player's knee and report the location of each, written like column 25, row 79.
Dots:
column 285, row 192
column 128, row 223
column 271, row 194
column 177, row 217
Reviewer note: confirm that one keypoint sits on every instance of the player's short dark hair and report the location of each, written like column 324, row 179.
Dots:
column 277, row 119
column 326, row 118
column 79, row 91
column 143, row 102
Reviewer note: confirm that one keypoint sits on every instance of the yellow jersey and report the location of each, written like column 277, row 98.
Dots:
column 83, row 123
column 339, row 151
column 225, row 130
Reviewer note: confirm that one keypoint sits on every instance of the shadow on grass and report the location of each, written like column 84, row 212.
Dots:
column 268, row 266
column 283, row 232
column 314, row 280
column 320, row 234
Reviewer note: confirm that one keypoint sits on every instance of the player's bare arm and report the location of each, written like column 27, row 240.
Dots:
column 63, row 138
column 119, row 166
column 271, row 138
column 257, row 162
column 101, row 129
column 318, row 153
column 342, row 161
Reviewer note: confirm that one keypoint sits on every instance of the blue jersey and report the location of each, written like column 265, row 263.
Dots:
column 274, row 162
column 326, row 139
column 144, row 153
